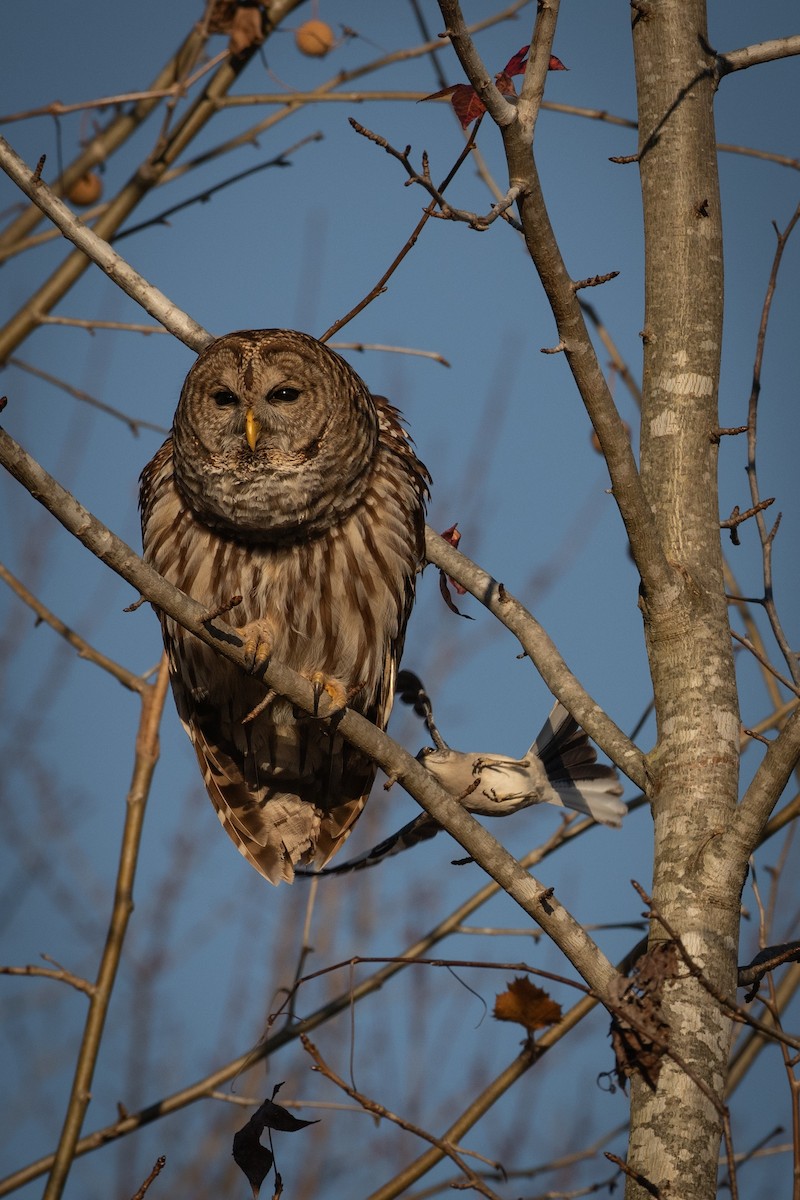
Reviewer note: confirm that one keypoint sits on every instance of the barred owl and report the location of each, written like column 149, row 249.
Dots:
column 285, row 483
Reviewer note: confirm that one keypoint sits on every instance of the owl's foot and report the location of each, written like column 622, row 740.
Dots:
column 259, row 642
column 339, row 694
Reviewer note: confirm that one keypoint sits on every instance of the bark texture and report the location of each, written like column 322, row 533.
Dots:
column 693, row 769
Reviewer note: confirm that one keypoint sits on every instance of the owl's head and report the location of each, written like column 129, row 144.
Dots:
column 274, row 435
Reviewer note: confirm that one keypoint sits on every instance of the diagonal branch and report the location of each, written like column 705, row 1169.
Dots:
column 127, row 678
column 533, row 897
column 772, row 776
column 97, row 250
column 542, row 652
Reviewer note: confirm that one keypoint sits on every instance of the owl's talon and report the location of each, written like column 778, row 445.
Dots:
column 258, row 643
column 320, row 682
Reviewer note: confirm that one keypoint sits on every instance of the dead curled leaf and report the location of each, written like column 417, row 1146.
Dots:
column 453, row 536
column 526, row 1004
column 242, row 20
column 249, row 1155
column 639, row 1032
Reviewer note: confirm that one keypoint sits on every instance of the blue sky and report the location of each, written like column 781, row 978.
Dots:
column 507, row 442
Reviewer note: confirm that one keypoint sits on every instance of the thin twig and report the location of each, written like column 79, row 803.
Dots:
column 380, row 1111
column 162, row 218
column 133, row 423
column 92, row 325
column 360, row 347
column 158, row 1167
column 380, row 286
column 748, row 645
column 767, row 538
column 136, row 683
column 59, row 975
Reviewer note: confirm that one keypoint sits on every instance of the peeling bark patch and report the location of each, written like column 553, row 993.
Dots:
column 687, row 384
column 665, row 424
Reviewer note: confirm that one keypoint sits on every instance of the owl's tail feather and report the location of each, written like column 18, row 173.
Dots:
column 577, row 779
column 295, row 813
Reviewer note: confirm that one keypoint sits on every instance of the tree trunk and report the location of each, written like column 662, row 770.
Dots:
column 693, row 769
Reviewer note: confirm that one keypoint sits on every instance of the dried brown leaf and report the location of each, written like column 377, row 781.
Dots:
column 247, row 29
column 527, row 1004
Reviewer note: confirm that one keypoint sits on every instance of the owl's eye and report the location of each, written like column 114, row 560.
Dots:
column 285, row 394
column 223, row 398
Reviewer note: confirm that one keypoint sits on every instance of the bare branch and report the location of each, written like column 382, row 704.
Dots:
column 380, row 286
column 659, row 582
column 768, row 537
column 98, row 251
column 770, row 779
column 541, row 651
column 92, row 326
column 360, row 347
column 532, row 896
column 748, row 645
column 761, row 52
column 162, row 218
column 594, row 281
column 135, row 682
column 133, row 423
column 736, row 518
column 56, row 973
column 379, row 1110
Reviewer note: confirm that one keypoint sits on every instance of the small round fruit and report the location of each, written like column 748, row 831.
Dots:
column 314, row 38
column 86, row 190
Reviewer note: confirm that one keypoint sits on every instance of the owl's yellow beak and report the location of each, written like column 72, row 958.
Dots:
column 252, row 428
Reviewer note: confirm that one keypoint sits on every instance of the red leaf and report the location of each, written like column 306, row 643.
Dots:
column 465, row 101
column 453, row 536
column 517, row 64
column 466, row 104
column 448, row 599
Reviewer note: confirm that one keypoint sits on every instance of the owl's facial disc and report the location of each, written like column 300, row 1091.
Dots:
column 274, row 436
